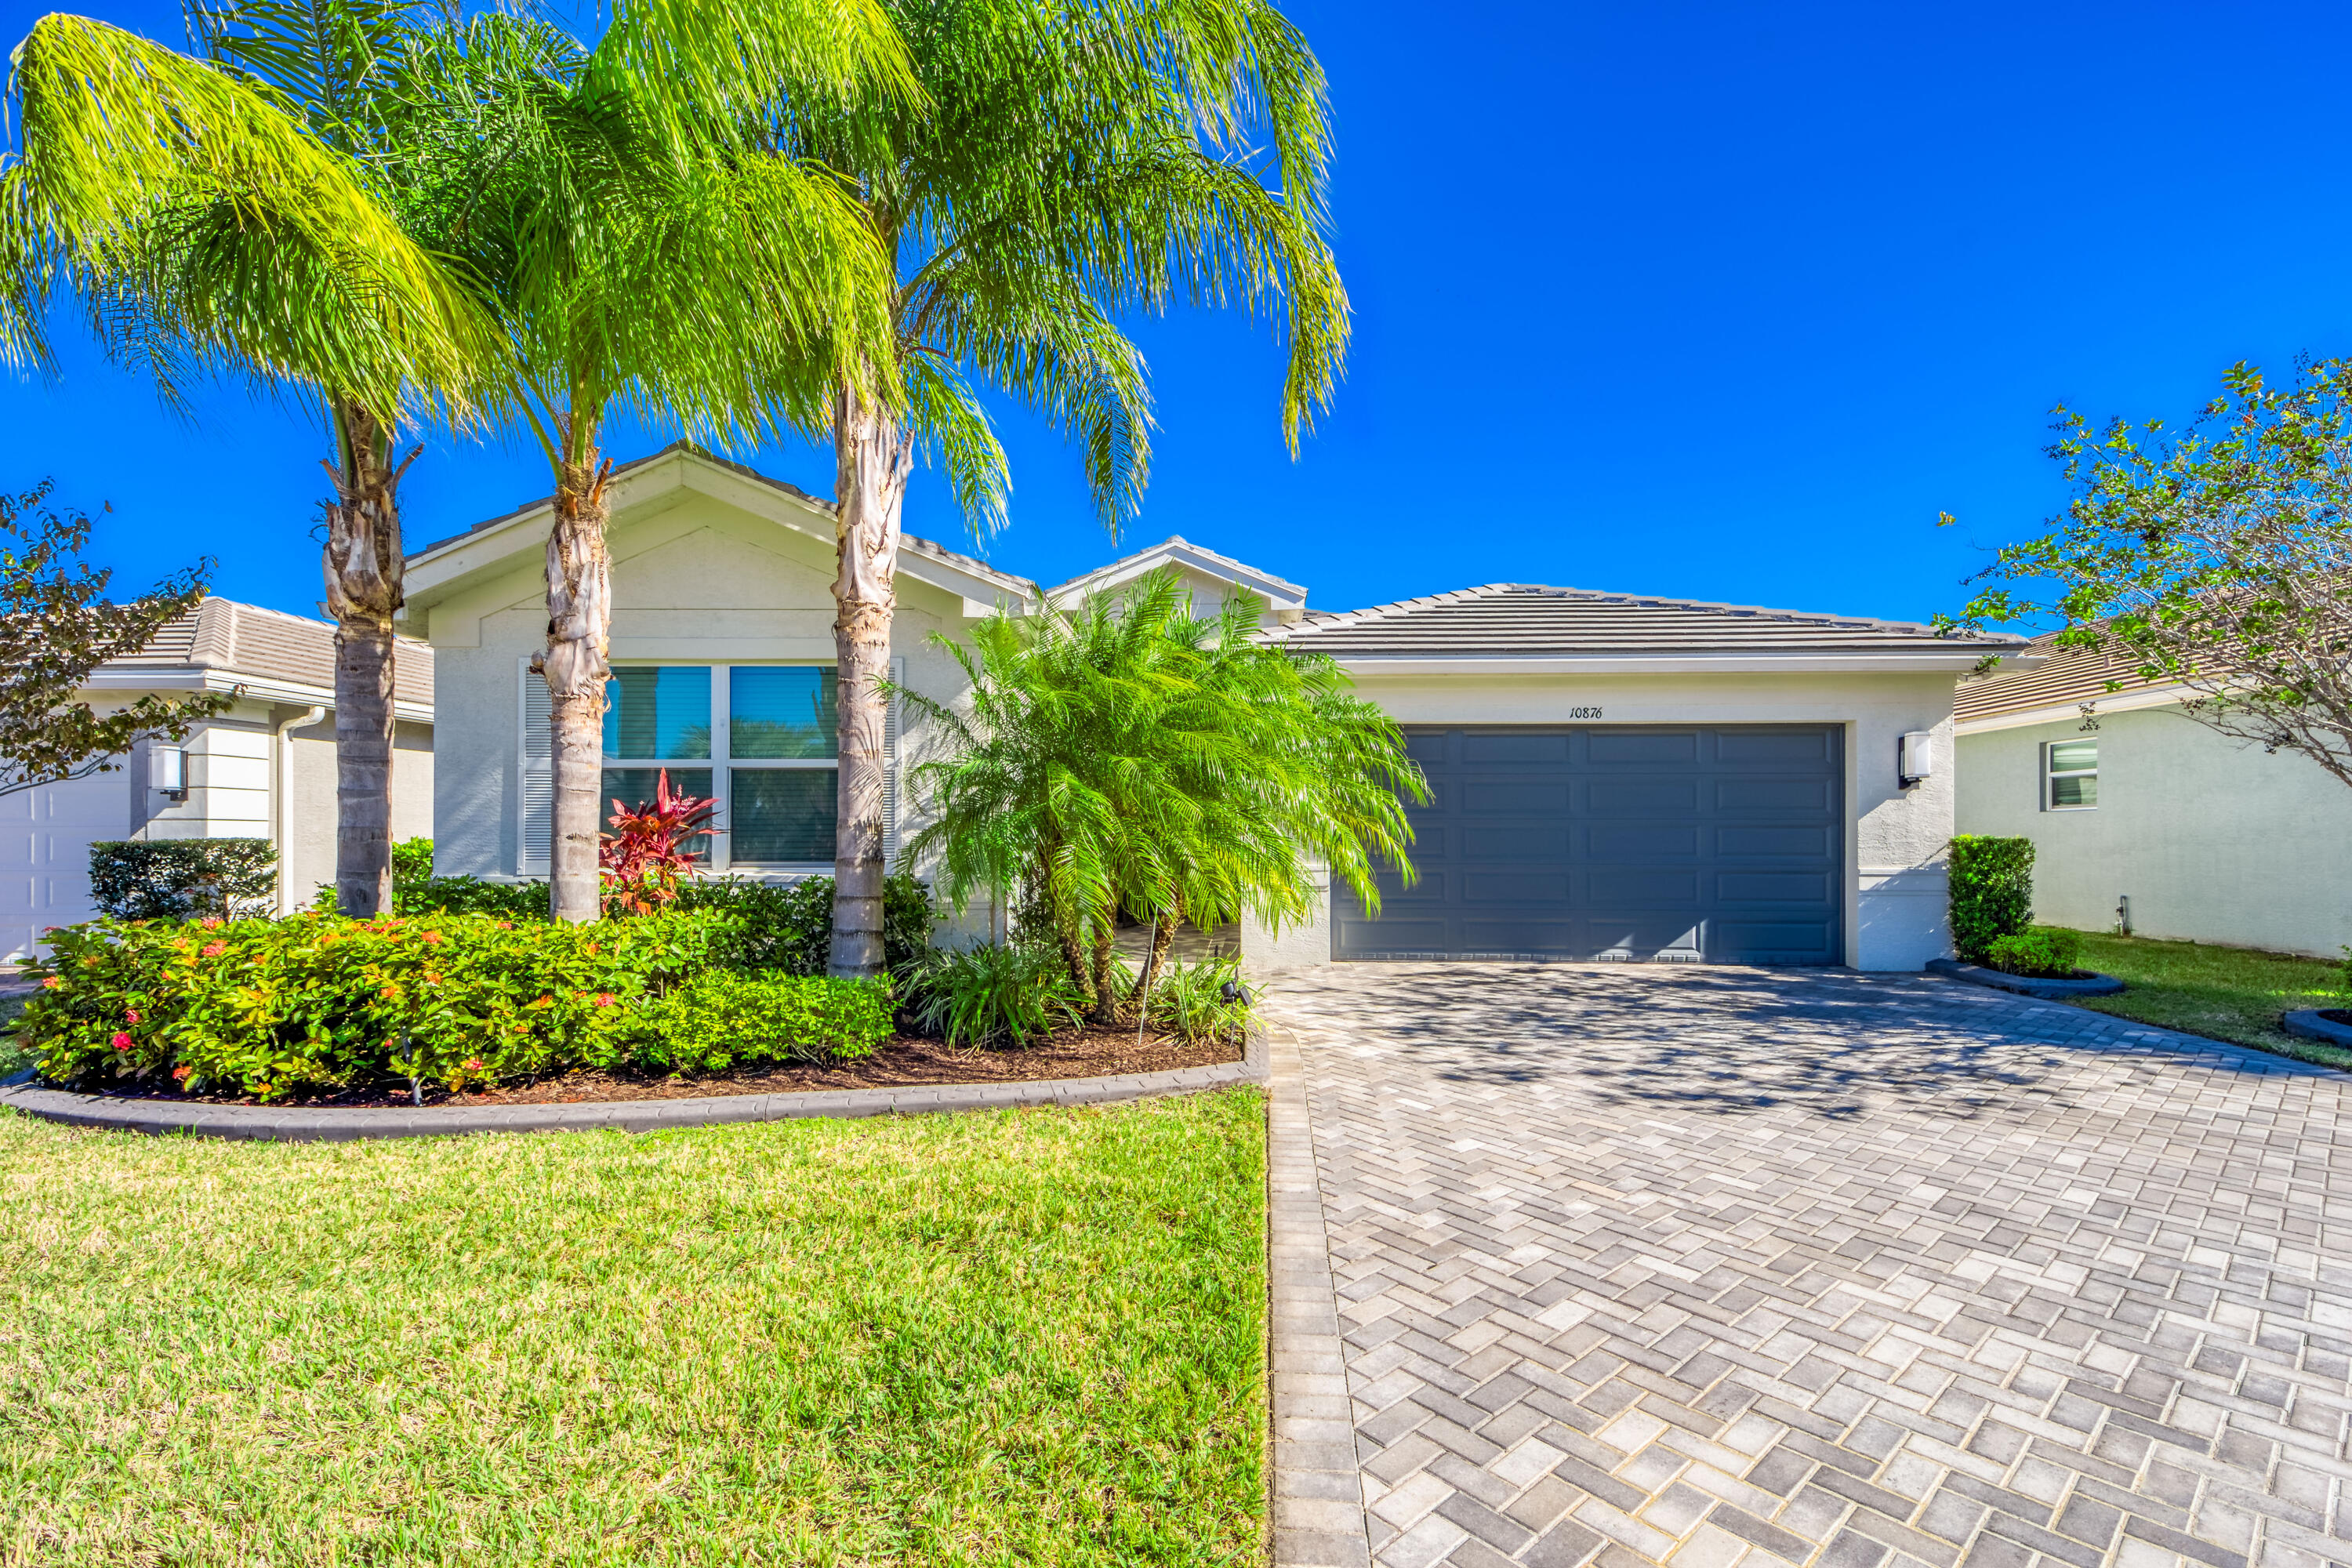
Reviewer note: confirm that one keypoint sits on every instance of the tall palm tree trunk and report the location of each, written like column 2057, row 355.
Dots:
column 362, row 567
column 579, row 639
column 874, row 453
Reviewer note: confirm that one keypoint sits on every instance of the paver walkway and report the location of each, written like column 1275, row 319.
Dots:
column 1706, row 1266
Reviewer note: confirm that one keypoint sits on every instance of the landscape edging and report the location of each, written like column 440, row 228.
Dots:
column 345, row 1124
column 2025, row 985
column 2306, row 1024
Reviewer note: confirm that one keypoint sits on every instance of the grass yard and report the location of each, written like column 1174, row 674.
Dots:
column 2229, row 993
column 1033, row 1337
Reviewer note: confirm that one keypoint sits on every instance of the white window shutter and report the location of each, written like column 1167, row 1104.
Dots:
column 890, row 769
column 535, row 792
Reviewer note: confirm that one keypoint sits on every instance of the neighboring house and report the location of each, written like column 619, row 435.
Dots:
column 1616, row 777
column 2142, row 816
column 264, row 768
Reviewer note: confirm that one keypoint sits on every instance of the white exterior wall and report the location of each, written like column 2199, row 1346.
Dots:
column 696, row 581
column 1895, row 913
column 2214, row 840
column 308, row 863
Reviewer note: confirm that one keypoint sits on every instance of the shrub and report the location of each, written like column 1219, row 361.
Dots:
column 2045, row 951
column 641, row 860
column 993, row 995
column 719, row 1019
column 275, row 1009
column 787, row 928
column 465, row 896
column 1198, row 1002
column 1991, row 882
column 178, row 878
column 411, row 861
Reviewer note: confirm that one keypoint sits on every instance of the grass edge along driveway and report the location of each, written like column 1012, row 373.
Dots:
column 1033, row 1336
column 2224, row 993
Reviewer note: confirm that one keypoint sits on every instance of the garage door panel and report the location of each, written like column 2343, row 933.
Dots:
column 1652, row 844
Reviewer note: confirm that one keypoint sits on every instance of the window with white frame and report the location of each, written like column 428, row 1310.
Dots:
column 2070, row 775
column 759, row 737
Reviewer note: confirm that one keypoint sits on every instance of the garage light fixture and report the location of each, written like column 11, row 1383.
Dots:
column 167, row 771
column 1916, row 758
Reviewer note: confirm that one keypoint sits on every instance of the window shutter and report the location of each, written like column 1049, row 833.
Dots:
column 535, row 792
column 890, row 769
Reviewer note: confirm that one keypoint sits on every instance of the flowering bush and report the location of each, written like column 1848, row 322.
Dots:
column 276, row 1008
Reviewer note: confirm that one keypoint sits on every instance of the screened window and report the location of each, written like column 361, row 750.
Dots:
column 2070, row 775
column 757, row 738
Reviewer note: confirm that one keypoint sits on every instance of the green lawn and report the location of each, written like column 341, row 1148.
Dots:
column 1031, row 1337
column 2229, row 993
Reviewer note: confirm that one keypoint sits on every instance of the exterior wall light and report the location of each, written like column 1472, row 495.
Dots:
column 167, row 771
column 1916, row 758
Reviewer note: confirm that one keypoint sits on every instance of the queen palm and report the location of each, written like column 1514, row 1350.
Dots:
column 640, row 254
column 1067, row 161
column 235, row 215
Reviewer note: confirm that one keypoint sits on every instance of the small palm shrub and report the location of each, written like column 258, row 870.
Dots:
column 2042, row 953
column 1991, row 883
column 1011, row 994
column 1199, row 1003
column 720, row 1019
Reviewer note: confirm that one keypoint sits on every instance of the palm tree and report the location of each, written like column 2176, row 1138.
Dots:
column 641, row 253
column 235, row 215
column 1126, row 755
column 1065, row 162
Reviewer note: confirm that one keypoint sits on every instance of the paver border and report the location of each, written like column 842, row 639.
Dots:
column 2305, row 1022
column 2042, row 990
column 1318, row 1511
column 295, row 1124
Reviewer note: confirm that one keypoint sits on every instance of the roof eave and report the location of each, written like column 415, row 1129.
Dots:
column 1859, row 662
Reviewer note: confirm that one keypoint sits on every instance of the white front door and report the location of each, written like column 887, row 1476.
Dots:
column 45, row 839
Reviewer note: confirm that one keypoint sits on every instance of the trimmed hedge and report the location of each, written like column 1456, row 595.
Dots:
column 179, row 879
column 787, row 928
column 1991, row 882
column 2044, row 952
column 317, row 1004
column 720, row 1019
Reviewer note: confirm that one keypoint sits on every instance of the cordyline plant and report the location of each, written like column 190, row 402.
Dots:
column 1128, row 755
column 1065, row 162
column 56, row 628
column 2218, row 558
column 644, row 853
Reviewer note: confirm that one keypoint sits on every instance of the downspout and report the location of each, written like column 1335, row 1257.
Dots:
column 284, row 825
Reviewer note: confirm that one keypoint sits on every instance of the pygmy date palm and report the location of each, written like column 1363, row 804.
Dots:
column 1068, row 161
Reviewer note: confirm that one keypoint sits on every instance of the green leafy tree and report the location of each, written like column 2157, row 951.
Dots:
column 1065, row 161
column 1125, row 754
column 2218, row 557
column 242, row 214
column 56, row 627
column 643, row 253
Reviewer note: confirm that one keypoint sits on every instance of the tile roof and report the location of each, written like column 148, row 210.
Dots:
column 2071, row 675
column 906, row 541
column 1176, row 542
column 1529, row 618
column 246, row 640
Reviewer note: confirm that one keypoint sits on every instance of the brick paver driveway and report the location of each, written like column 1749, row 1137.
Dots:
column 1699, row 1266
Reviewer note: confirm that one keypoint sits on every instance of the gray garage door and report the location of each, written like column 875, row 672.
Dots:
column 1719, row 844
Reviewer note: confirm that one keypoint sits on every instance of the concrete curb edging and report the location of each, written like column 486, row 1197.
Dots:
column 1317, row 1483
column 295, row 1124
column 2025, row 985
column 2306, row 1024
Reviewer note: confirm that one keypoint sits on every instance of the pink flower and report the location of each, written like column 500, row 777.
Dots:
column 210, row 921
column 132, row 1016
column 51, row 983
column 432, row 936
column 215, row 949
column 180, row 1073
column 473, row 1064
column 122, row 1042
column 605, row 998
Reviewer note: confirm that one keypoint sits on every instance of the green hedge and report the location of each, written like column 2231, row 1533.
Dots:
column 179, row 879
column 316, row 1003
column 1992, row 892
column 2044, row 952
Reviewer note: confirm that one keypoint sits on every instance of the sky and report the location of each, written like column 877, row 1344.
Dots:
column 1717, row 301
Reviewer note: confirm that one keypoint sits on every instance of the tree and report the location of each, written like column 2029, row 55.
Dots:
column 1126, row 755
column 2218, row 557
column 642, row 253
column 56, row 628
column 243, row 214
column 1065, row 162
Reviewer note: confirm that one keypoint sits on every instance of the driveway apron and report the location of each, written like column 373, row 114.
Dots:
column 1713, row 1267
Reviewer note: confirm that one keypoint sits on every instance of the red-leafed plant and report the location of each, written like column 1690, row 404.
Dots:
column 645, row 854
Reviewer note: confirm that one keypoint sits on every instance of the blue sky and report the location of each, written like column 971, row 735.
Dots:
column 1723, row 301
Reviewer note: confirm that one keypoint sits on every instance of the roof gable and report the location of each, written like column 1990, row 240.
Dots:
column 1282, row 596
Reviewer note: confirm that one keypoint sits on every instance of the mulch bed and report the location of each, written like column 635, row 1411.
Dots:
column 900, row 1061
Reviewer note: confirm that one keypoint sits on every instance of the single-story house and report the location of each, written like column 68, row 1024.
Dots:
column 2142, row 818
column 264, row 769
column 1616, row 776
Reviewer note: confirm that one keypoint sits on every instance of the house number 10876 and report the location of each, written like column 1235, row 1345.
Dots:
column 1584, row 713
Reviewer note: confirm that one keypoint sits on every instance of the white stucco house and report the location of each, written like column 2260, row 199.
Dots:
column 2142, row 817
column 1615, row 776
column 264, row 769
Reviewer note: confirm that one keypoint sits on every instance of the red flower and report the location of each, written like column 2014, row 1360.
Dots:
column 432, row 936
column 215, row 949
column 132, row 1016
column 210, row 921
column 122, row 1042
column 473, row 1064
column 605, row 998
column 181, row 1073
column 51, row 983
